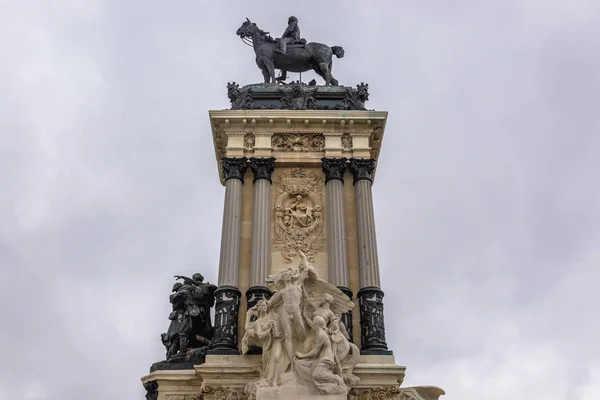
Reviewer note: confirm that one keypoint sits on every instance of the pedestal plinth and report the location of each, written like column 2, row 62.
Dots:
column 308, row 213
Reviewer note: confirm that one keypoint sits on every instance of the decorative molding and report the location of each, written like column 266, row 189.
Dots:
column 294, row 98
column 182, row 397
column 362, row 169
column 334, row 168
column 297, row 142
column 297, row 96
column 376, row 138
column 238, row 99
column 221, row 393
column 226, row 321
column 231, row 124
column 346, row 142
column 262, row 167
column 372, row 324
column 376, row 393
column 249, row 141
column 151, row 390
column 298, row 223
column 234, row 168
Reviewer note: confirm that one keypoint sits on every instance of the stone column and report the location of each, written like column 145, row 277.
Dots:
column 260, row 250
column 227, row 294
column 370, row 296
column 337, row 256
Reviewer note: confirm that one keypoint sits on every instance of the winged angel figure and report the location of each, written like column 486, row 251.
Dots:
column 301, row 333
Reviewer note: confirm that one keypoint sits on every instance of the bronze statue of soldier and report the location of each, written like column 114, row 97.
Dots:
column 190, row 325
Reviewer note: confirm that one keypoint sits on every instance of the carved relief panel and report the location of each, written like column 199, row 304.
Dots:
column 295, row 142
column 298, row 222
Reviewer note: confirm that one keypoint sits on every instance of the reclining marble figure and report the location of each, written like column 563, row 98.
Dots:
column 301, row 334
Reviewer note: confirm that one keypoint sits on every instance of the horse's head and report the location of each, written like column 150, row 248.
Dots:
column 249, row 29
column 246, row 30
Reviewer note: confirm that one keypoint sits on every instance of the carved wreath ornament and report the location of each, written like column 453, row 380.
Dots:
column 298, row 214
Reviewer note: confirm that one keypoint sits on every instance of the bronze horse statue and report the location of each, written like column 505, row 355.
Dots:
column 298, row 57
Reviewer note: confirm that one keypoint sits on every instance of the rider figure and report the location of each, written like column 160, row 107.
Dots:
column 290, row 36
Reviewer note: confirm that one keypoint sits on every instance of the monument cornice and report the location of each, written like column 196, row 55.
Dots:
column 248, row 133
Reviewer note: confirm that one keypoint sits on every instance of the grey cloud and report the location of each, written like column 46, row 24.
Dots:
column 486, row 198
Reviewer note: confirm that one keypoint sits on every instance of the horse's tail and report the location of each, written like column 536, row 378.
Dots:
column 338, row 51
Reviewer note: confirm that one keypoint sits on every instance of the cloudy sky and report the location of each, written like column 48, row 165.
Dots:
column 487, row 196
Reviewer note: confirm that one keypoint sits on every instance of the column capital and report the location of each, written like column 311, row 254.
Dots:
column 262, row 167
column 362, row 168
column 334, row 168
column 234, row 168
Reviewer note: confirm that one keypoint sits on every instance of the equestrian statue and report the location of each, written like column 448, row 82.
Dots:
column 289, row 53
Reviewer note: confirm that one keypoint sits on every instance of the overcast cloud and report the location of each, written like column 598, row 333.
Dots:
column 487, row 194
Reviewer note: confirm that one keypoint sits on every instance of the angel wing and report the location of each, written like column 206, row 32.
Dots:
column 275, row 281
column 315, row 286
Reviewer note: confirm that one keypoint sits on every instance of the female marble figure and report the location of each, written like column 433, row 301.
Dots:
column 346, row 353
column 319, row 365
column 267, row 333
column 302, row 318
column 300, row 213
column 322, row 306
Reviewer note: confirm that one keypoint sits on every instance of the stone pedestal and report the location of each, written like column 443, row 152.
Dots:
column 291, row 390
column 295, row 393
column 313, row 153
column 224, row 377
column 171, row 385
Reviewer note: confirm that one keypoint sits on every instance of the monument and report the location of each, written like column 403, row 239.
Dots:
column 298, row 246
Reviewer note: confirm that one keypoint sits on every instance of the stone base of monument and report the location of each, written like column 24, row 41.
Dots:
column 292, row 390
column 224, row 377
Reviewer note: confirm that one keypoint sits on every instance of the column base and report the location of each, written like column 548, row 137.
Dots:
column 372, row 324
column 374, row 352
column 227, row 308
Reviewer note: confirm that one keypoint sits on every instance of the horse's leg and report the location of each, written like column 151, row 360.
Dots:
column 263, row 69
column 317, row 69
column 266, row 74
column 283, row 76
column 333, row 80
column 271, row 68
column 325, row 70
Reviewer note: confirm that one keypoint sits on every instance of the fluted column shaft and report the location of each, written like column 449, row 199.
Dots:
column 227, row 294
column 260, row 247
column 337, row 255
column 367, row 242
column 229, row 263
column 370, row 295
